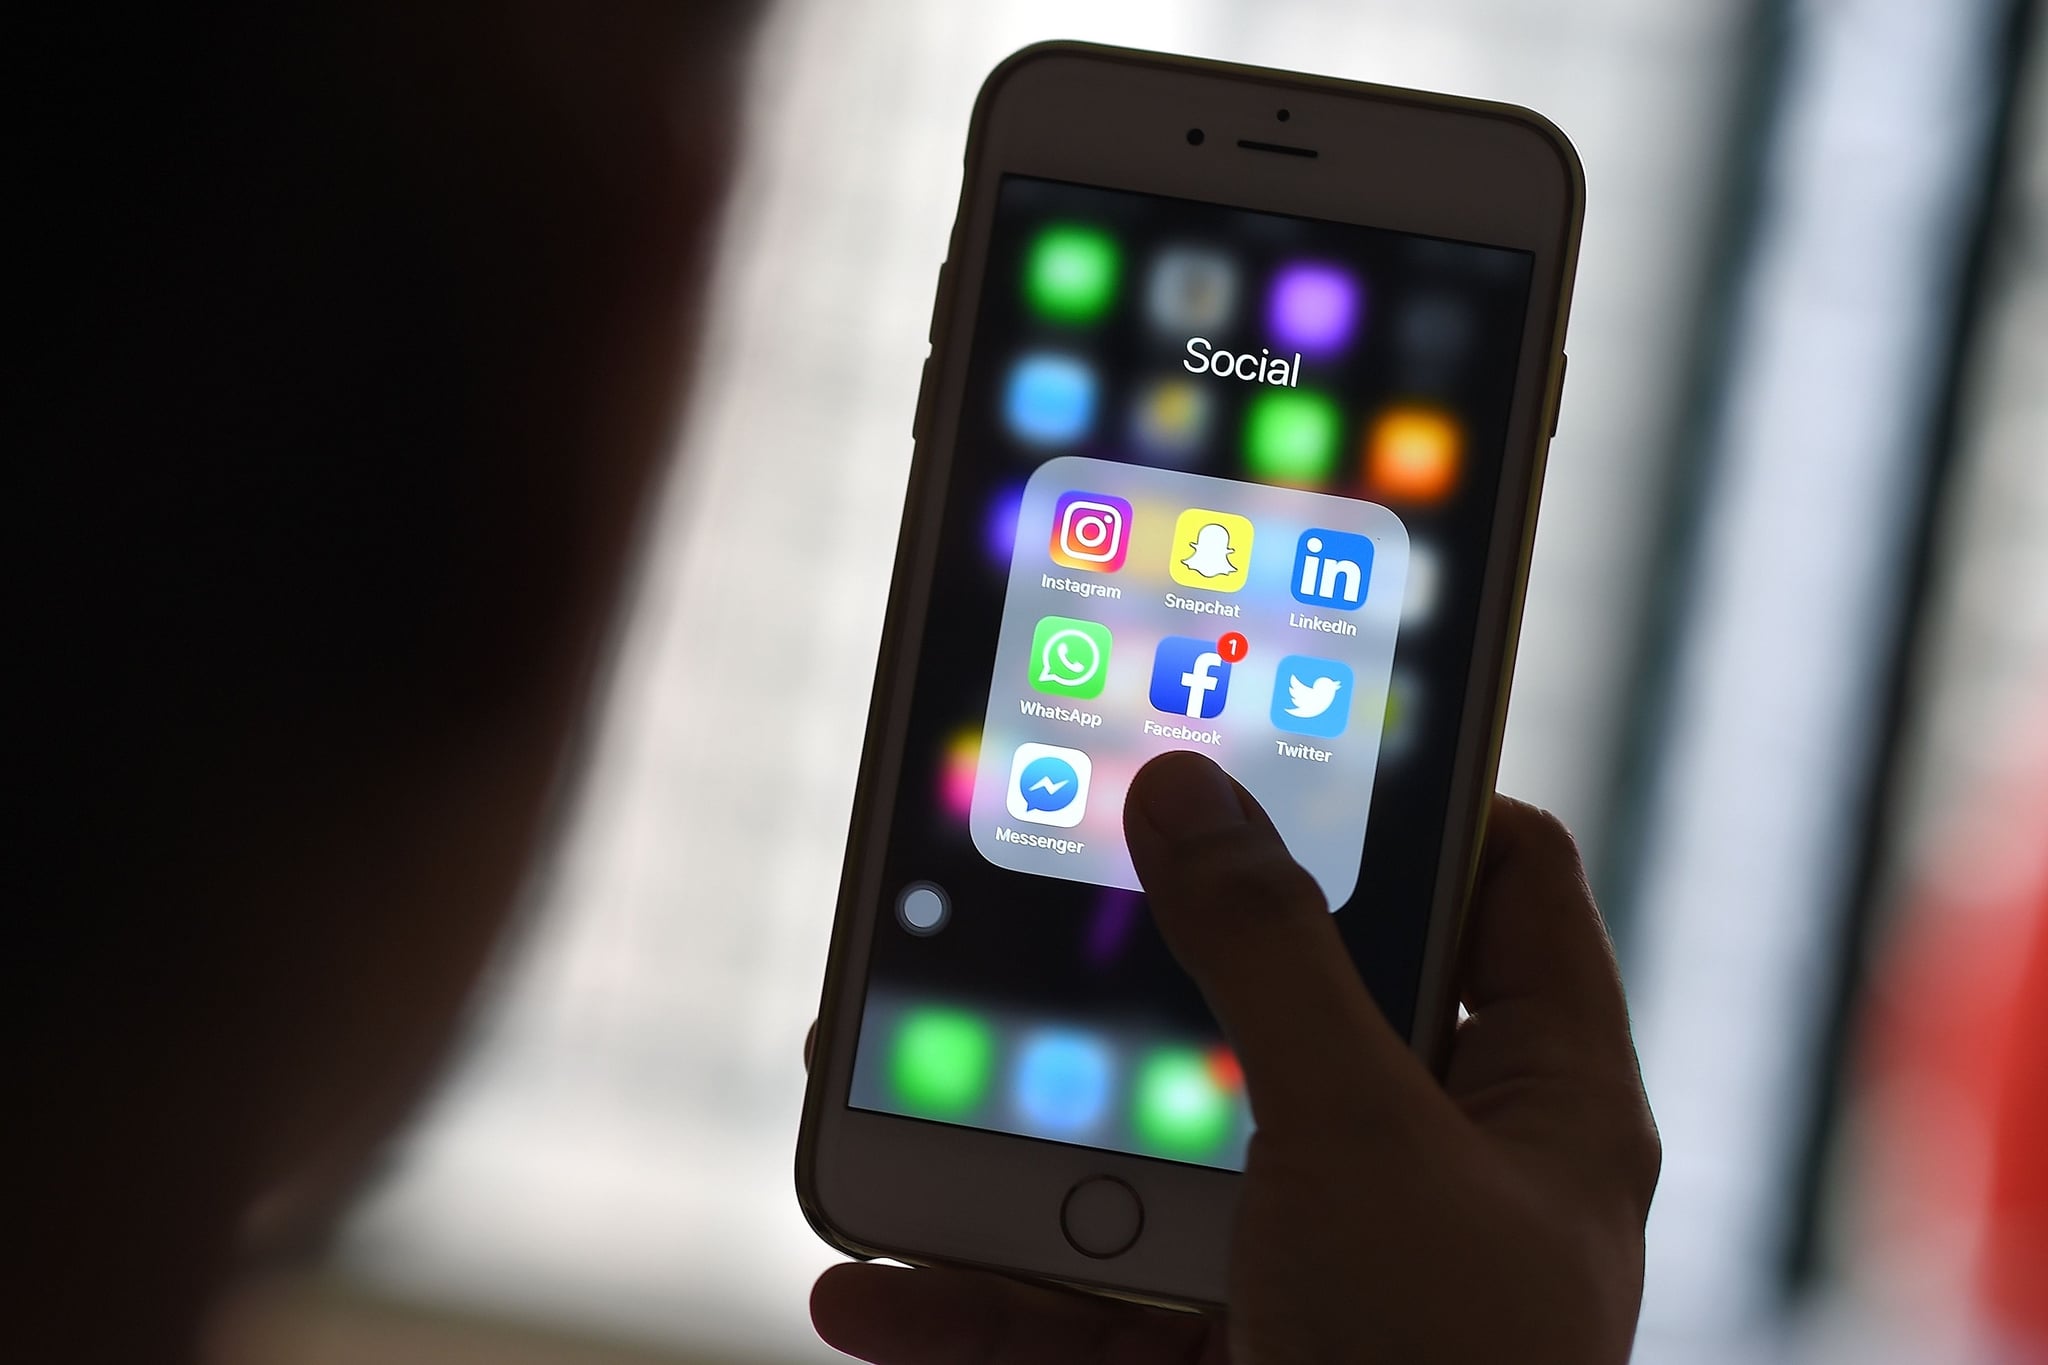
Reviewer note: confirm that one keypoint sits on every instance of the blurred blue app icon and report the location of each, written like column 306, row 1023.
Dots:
column 1049, row 785
column 1189, row 678
column 1049, row 400
column 1312, row 696
column 1331, row 569
column 1062, row 1082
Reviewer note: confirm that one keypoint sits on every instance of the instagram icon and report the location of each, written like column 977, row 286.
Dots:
column 1091, row 531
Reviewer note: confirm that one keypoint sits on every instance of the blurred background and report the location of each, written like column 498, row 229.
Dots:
column 1784, row 671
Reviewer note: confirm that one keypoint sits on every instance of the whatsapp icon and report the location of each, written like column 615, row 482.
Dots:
column 1069, row 658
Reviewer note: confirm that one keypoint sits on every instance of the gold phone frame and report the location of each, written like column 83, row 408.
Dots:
column 879, row 1185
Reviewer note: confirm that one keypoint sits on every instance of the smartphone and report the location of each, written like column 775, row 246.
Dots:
column 1230, row 439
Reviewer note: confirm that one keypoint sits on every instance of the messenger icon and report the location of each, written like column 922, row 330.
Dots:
column 1049, row 785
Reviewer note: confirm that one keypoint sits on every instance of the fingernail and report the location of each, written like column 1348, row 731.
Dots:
column 1184, row 795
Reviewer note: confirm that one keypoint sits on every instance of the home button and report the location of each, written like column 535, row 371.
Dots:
column 1102, row 1217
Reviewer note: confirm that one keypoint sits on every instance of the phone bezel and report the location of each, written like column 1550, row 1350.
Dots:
column 876, row 1184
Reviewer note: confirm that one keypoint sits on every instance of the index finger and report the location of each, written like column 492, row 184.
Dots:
column 1252, row 929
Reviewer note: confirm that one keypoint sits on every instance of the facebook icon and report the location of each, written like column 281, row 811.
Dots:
column 1189, row 678
column 1331, row 569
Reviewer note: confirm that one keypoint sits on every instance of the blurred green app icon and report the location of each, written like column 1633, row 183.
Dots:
column 1070, row 273
column 1291, row 437
column 939, row 1066
column 1183, row 1108
column 1069, row 658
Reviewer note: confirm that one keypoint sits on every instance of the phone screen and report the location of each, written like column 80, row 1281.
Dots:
column 1223, row 480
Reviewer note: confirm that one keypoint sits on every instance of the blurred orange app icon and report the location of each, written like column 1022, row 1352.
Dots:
column 1412, row 454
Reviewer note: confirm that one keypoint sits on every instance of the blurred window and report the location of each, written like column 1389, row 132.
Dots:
column 1724, row 500
column 1800, row 559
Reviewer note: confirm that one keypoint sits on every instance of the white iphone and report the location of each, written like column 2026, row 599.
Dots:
column 1230, row 439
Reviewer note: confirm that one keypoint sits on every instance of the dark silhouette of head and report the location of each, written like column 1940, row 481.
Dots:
column 353, row 340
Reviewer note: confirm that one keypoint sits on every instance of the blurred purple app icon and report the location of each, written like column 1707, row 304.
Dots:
column 1313, row 308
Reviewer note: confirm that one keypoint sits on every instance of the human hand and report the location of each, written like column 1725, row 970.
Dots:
column 1385, row 1217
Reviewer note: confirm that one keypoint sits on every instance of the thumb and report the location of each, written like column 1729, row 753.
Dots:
column 1253, row 930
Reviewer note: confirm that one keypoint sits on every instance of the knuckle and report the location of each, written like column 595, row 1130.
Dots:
column 1616, row 1159
column 1647, row 1163
column 1635, row 1156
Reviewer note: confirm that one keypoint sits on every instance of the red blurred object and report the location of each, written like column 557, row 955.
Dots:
column 1956, row 1074
column 2016, row 1242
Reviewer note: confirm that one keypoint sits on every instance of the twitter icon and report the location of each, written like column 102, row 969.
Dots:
column 1312, row 696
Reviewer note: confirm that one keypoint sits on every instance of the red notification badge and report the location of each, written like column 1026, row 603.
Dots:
column 1233, row 647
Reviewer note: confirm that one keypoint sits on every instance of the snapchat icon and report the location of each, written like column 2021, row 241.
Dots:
column 1211, row 550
